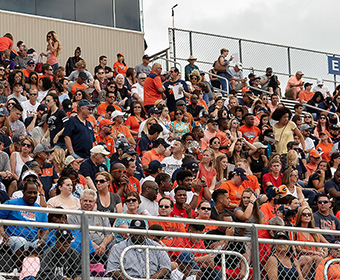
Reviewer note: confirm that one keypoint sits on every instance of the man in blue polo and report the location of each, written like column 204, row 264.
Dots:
column 79, row 134
column 91, row 166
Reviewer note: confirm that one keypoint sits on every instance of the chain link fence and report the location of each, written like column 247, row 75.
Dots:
column 88, row 249
column 255, row 56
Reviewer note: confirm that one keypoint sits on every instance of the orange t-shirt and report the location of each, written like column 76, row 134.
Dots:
column 209, row 175
column 268, row 212
column 121, row 68
column 150, row 156
column 43, row 76
column 169, row 226
column 101, row 109
column 5, row 43
column 235, row 192
column 202, row 103
column 151, row 85
column 133, row 123
column 93, row 121
column 82, row 180
column 77, row 86
column 326, row 150
column 26, row 72
column 250, row 133
column 109, row 141
column 306, row 96
column 301, row 237
column 224, row 140
column 294, row 81
column 135, row 183
column 121, row 128
column 253, row 183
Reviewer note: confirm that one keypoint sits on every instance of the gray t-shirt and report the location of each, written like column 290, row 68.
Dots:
column 329, row 222
column 141, row 68
column 4, row 162
column 18, row 128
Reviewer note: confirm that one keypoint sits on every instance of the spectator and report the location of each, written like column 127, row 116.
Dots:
column 137, row 90
column 91, row 166
column 22, row 59
column 80, row 83
column 146, row 142
column 156, row 153
column 136, row 118
column 190, row 67
column 315, row 158
column 99, row 83
column 78, row 133
column 153, row 88
column 81, row 66
column 187, row 268
column 72, row 61
column 119, row 67
column 332, row 186
column 61, row 260
column 321, row 88
column 103, row 64
column 334, row 270
column 249, row 131
column 204, row 213
column 133, row 262
column 289, row 179
column 53, row 50
column 318, row 178
column 325, row 145
column 122, row 93
column 270, row 82
column 174, row 161
column 307, row 94
column 324, row 219
column 294, row 86
column 118, row 126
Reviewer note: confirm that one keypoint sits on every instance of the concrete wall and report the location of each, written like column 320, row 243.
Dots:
column 93, row 40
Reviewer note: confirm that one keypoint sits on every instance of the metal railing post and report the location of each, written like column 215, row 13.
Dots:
column 190, row 42
column 334, row 76
column 240, row 49
column 289, row 63
column 173, row 44
column 255, row 253
column 85, row 254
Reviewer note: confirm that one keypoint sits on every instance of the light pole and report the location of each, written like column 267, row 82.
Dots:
column 173, row 15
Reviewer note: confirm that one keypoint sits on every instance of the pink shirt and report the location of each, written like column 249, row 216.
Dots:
column 293, row 80
column 30, row 267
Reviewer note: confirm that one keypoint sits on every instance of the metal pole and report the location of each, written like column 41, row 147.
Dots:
column 85, row 254
column 255, row 253
column 334, row 76
column 289, row 64
column 147, row 263
column 173, row 44
column 190, row 42
column 240, row 49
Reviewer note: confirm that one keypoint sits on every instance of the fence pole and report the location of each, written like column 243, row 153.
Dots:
column 255, row 253
column 85, row 254
column 173, row 43
column 289, row 64
column 240, row 49
column 334, row 77
column 190, row 42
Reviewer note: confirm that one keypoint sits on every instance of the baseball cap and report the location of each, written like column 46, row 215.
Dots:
column 120, row 54
column 241, row 172
column 307, row 84
column 146, row 57
column 192, row 166
column 42, row 108
column 160, row 141
column 239, row 65
column 67, row 105
column 3, row 112
column 155, row 164
column 104, row 122
column 188, row 257
column 42, row 148
column 99, row 149
column 281, row 234
column 212, row 120
column 203, row 113
column 121, row 143
column 305, row 127
column 64, row 234
column 85, row 102
column 299, row 73
column 154, row 110
column 335, row 155
column 17, row 83
column 70, row 159
column 43, row 119
column 116, row 114
column 29, row 173
column 319, row 82
column 251, row 75
column 269, row 69
column 334, row 126
column 31, row 61
column 314, row 153
column 83, row 76
column 130, row 150
column 180, row 103
column 138, row 224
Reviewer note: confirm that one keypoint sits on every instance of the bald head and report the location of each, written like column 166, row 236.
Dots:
column 156, row 67
column 150, row 190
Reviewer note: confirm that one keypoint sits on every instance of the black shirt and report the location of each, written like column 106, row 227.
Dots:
column 89, row 169
column 194, row 111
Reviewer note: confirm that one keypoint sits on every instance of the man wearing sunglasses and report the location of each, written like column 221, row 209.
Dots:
column 104, row 134
column 324, row 219
column 30, row 106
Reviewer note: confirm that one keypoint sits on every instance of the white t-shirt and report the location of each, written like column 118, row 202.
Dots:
column 148, row 205
column 164, row 134
column 29, row 109
column 237, row 75
column 19, row 194
column 139, row 89
column 190, row 195
column 308, row 143
column 178, row 275
column 322, row 89
column 21, row 98
column 171, row 164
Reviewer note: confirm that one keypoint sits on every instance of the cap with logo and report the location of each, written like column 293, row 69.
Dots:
column 160, row 141
column 241, row 172
column 3, row 112
column 146, row 57
column 64, row 234
column 154, row 110
column 281, row 234
column 104, row 122
column 192, row 165
column 314, row 153
column 85, row 102
column 155, row 165
column 137, row 224
column 28, row 173
column 42, row 108
column 67, row 105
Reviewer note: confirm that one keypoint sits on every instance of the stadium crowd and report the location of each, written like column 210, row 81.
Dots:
column 137, row 140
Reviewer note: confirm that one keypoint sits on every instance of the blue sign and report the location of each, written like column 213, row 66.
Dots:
column 334, row 65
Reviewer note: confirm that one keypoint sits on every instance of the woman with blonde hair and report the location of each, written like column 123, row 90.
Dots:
column 233, row 130
column 57, row 158
column 292, row 159
column 53, row 50
column 308, row 256
column 290, row 178
column 221, row 166
column 149, row 122
column 207, row 168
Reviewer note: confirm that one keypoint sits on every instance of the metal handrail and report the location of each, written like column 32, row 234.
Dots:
column 327, row 265
column 169, row 60
column 158, row 53
column 208, row 251
column 220, row 90
column 220, row 77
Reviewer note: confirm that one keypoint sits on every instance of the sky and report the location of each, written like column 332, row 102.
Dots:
column 303, row 23
column 309, row 24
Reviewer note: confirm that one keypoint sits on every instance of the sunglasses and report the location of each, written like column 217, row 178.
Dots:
column 131, row 200
column 33, row 94
column 177, row 114
column 100, row 73
column 322, row 118
column 164, row 206
column 101, row 181
column 142, row 78
column 119, row 171
column 49, row 69
column 306, row 214
column 26, row 145
column 323, row 202
column 246, row 197
column 108, row 125
column 2, row 69
column 137, row 107
column 206, row 208
column 216, row 142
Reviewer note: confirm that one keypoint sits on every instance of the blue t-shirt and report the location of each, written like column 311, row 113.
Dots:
column 144, row 144
column 75, row 244
column 31, row 233
column 89, row 169
column 188, row 69
column 82, row 136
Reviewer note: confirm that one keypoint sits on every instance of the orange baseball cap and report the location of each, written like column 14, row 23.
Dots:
column 120, row 54
column 314, row 153
column 104, row 122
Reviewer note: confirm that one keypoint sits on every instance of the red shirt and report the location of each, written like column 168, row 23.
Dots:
column 250, row 133
column 268, row 177
column 181, row 213
column 151, row 85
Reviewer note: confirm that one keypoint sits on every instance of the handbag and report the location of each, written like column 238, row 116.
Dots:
column 38, row 67
column 219, row 67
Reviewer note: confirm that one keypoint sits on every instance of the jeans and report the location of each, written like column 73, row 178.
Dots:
column 55, row 67
column 223, row 81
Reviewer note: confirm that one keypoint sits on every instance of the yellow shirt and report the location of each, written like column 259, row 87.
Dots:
column 283, row 135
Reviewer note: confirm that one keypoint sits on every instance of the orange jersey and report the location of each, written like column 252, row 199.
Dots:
column 121, row 67
column 253, row 183
column 150, row 156
column 76, row 87
column 101, row 109
column 151, row 85
column 169, row 226
column 109, row 141
column 235, row 192
column 135, row 183
column 121, row 128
